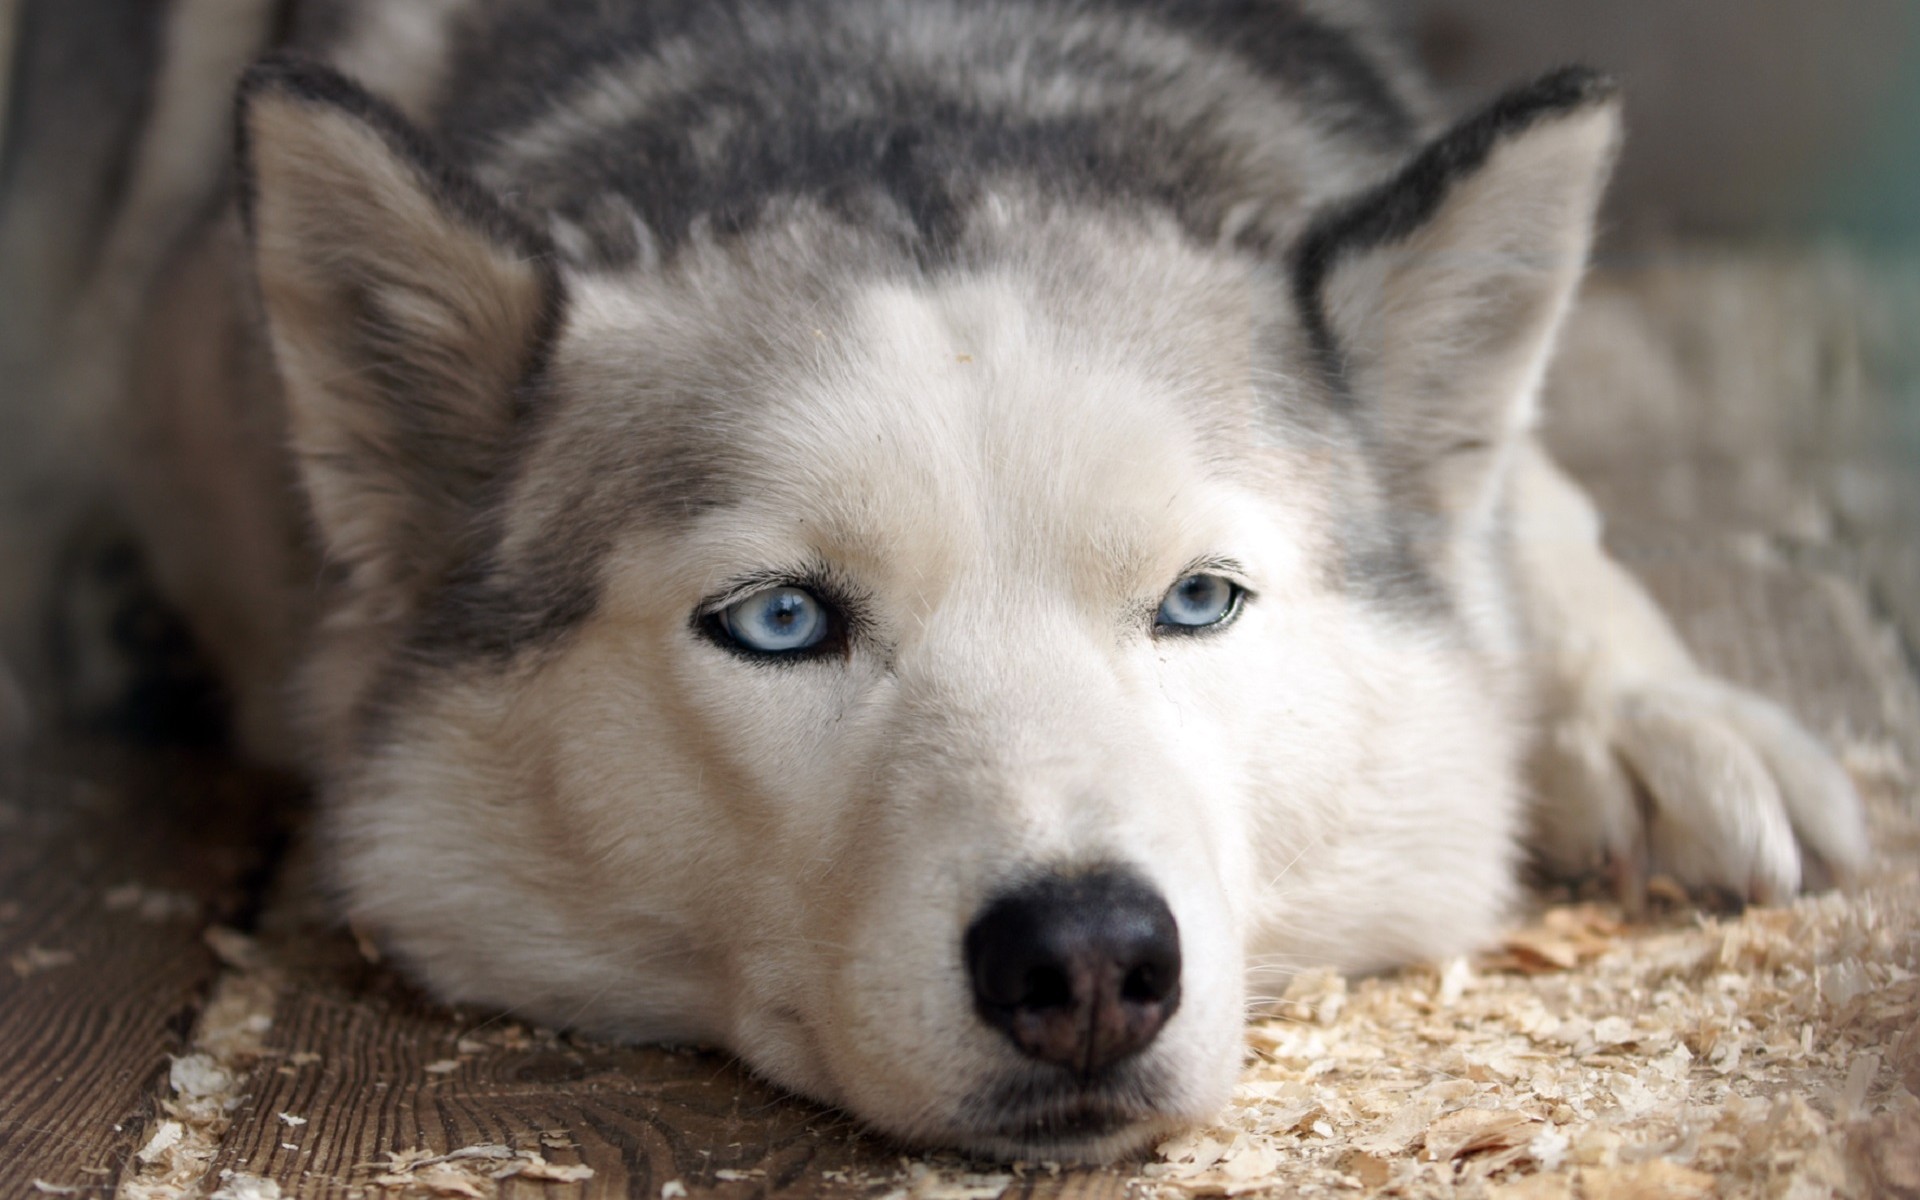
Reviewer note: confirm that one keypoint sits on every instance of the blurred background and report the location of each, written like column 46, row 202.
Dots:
column 1745, row 116
column 1779, row 118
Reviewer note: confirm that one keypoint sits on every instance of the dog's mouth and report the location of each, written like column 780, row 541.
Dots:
column 1074, row 1121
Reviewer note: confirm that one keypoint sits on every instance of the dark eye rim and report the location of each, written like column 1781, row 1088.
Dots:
column 710, row 624
column 1241, row 594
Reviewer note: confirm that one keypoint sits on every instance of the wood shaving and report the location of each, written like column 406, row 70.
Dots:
column 1887, row 1153
column 238, row 1185
column 234, row 948
column 152, row 905
column 35, row 959
column 365, row 942
column 165, row 1137
column 205, row 1090
column 1471, row 1130
column 926, row 1181
column 1657, row 1180
column 438, row 1180
column 1562, row 939
column 554, row 1172
column 470, row 1171
column 201, row 1077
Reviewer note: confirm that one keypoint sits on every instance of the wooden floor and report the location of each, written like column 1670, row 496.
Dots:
column 177, row 1017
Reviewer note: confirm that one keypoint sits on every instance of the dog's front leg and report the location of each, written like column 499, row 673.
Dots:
column 1644, row 763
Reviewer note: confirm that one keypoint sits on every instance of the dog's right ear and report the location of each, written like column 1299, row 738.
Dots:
column 405, row 305
column 1433, row 299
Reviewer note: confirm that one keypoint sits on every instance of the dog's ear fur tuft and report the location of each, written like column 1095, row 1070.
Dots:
column 1433, row 300
column 406, row 307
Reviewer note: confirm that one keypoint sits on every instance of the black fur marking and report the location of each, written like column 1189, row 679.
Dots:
column 1395, row 209
column 503, row 69
column 486, row 610
column 1291, row 47
column 926, row 164
column 833, row 120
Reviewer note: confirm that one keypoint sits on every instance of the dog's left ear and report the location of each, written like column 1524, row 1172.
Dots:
column 405, row 305
column 1433, row 300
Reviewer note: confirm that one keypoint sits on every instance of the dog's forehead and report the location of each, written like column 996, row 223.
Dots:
column 1023, row 403
column 977, row 419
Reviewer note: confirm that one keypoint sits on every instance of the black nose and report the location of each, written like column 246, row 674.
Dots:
column 1078, row 970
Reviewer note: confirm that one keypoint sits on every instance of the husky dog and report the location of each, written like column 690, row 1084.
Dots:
column 942, row 545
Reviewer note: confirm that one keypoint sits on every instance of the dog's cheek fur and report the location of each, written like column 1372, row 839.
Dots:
column 1393, row 832
column 1372, row 751
column 569, row 890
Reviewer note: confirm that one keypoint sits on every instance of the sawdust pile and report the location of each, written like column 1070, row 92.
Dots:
column 204, row 1087
column 1775, row 1054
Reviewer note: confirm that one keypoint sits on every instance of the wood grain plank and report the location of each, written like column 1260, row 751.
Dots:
column 111, row 866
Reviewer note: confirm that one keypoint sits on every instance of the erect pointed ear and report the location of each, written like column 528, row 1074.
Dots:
column 1433, row 299
column 405, row 306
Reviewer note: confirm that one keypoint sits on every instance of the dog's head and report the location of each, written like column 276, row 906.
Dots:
column 947, row 686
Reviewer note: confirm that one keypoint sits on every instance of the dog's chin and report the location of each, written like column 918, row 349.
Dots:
column 1066, row 1122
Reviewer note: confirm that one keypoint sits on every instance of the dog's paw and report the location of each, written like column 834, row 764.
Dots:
column 1700, row 781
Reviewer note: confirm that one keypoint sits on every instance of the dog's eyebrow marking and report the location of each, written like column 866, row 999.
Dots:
column 1215, row 564
column 809, row 573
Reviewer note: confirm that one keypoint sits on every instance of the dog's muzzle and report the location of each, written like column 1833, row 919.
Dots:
column 1079, row 970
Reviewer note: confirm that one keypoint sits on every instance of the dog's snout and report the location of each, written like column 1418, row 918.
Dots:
column 1077, row 970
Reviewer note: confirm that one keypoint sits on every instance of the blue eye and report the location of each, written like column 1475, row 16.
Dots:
column 779, row 620
column 1197, row 602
